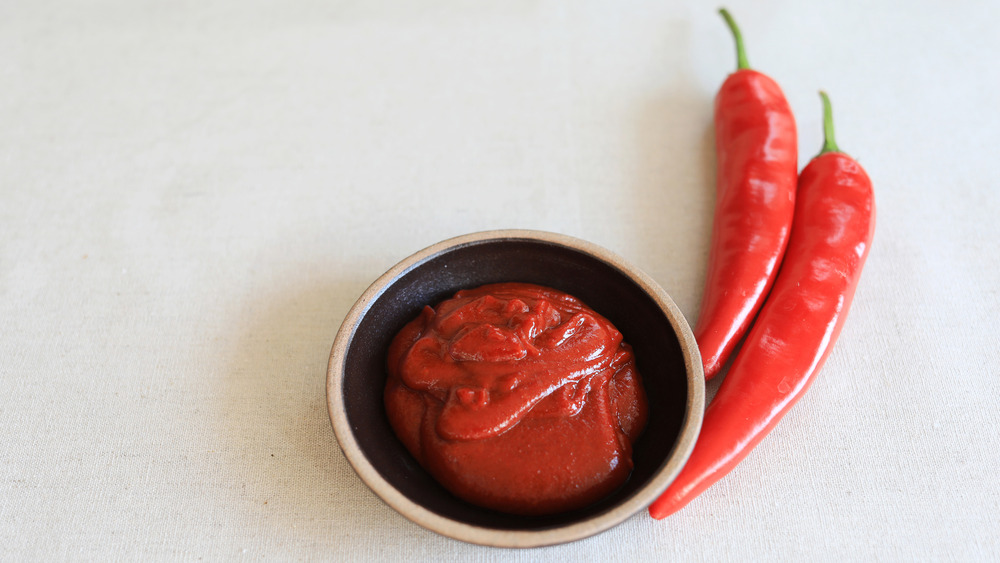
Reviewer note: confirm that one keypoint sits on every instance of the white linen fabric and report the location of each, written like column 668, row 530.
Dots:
column 193, row 194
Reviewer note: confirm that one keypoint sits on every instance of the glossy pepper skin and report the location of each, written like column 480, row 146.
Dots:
column 797, row 326
column 756, row 147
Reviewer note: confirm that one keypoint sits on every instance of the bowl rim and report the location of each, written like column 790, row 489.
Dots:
column 448, row 527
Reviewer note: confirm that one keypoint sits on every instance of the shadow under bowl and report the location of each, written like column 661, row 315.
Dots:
column 666, row 357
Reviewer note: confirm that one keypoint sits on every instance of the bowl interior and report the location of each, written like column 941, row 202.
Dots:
column 603, row 287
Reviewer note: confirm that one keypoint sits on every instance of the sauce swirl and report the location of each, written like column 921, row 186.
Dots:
column 517, row 397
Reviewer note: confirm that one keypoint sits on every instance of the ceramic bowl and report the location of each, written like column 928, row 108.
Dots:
column 666, row 356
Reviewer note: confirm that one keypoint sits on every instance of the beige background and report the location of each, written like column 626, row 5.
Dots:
column 192, row 195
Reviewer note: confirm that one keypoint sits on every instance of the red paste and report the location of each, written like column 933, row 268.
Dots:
column 517, row 397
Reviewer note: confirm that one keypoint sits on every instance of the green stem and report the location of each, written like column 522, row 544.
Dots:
column 829, row 143
column 741, row 54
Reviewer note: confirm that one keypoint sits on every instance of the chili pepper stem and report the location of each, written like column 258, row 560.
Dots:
column 829, row 143
column 741, row 54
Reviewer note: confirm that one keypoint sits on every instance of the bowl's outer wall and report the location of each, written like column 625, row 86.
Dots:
column 605, row 289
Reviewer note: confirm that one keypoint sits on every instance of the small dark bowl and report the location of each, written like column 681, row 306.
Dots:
column 665, row 350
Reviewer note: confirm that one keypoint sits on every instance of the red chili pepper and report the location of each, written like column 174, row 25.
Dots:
column 797, row 326
column 756, row 173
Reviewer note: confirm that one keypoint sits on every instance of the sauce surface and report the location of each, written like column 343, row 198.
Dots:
column 517, row 397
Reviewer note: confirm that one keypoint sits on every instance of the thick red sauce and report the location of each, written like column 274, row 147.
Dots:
column 517, row 397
